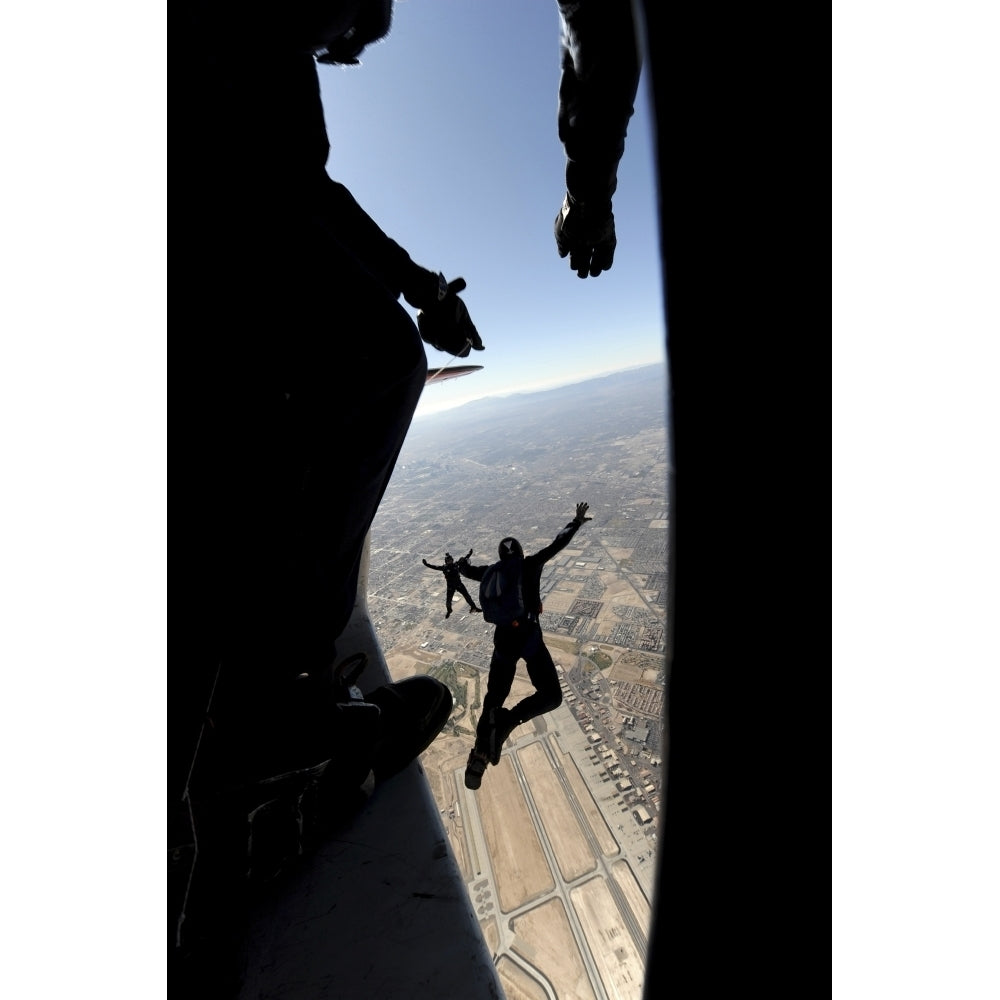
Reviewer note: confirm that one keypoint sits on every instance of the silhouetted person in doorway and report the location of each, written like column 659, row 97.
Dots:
column 295, row 373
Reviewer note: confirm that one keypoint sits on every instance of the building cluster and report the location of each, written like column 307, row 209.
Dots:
column 629, row 755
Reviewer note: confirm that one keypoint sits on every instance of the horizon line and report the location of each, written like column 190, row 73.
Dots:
column 539, row 387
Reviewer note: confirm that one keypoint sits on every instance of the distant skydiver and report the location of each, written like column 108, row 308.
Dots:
column 600, row 77
column 453, row 579
column 520, row 639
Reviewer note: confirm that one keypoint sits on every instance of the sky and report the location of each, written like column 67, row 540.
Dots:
column 446, row 135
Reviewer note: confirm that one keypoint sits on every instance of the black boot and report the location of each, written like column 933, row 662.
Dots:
column 475, row 768
column 413, row 712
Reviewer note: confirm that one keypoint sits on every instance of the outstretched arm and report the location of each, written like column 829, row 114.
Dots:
column 468, row 570
column 562, row 539
column 431, row 566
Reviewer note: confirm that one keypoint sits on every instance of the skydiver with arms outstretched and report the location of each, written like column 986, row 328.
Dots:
column 521, row 639
column 453, row 581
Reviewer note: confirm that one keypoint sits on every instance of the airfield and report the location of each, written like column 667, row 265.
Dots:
column 559, row 873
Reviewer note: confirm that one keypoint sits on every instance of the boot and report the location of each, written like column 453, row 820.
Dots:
column 475, row 768
column 413, row 712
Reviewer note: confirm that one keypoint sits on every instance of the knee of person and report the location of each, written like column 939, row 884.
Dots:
column 554, row 697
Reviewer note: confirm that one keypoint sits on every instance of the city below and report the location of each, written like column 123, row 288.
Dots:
column 558, row 846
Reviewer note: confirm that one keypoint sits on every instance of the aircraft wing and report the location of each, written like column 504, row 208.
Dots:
column 440, row 374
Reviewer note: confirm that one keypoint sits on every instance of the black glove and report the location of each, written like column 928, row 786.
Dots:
column 446, row 325
column 581, row 513
column 424, row 561
column 587, row 234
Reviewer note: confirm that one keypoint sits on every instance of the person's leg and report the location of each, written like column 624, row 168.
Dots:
column 449, row 596
column 547, row 695
column 354, row 425
column 288, row 473
column 468, row 597
column 543, row 675
column 503, row 666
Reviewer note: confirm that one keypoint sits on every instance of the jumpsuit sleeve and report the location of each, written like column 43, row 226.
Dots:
column 356, row 230
column 472, row 572
column 558, row 544
column 597, row 88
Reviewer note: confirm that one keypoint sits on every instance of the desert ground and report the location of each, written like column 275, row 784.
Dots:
column 558, row 903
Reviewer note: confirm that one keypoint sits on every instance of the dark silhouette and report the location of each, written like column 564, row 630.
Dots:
column 600, row 77
column 294, row 379
column 742, row 191
column 521, row 640
column 306, row 370
column 453, row 580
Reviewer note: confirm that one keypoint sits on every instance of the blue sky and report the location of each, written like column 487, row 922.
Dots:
column 446, row 134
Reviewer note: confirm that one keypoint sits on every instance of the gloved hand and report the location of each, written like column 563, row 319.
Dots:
column 581, row 513
column 424, row 561
column 446, row 324
column 587, row 235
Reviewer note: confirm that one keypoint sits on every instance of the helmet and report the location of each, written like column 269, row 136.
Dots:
column 340, row 38
column 510, row 547
column 447, row 557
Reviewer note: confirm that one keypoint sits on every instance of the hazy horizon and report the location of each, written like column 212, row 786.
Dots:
column 426, row 409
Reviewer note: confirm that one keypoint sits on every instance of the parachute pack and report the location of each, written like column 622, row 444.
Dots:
column 500, row 594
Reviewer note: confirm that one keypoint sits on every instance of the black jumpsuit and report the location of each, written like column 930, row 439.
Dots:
column 453, row 579
column 523, row 642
